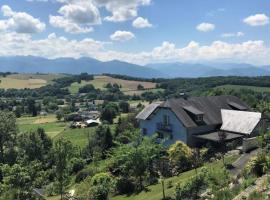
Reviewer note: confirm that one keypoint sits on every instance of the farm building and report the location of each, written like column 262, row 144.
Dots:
column 197, row 120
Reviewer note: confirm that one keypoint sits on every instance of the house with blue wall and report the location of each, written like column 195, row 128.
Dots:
column 195, row 120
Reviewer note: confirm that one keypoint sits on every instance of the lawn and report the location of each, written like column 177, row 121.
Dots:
column 154, row 192
column 78, row 137
column 49, row 123
column 100, row 81
column 238, row 87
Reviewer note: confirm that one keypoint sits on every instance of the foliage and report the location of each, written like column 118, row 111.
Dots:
column 8, row 132
column 135, row 162
column 180, row 157
column 62, row 154
column 191, row 188
column 259, row 165
column 109, row 112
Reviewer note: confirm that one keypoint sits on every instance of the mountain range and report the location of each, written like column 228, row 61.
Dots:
column 31, row 64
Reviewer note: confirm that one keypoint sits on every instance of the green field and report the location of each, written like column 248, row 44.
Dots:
column 54, row 129
column 49, row 123
column 128, row 86
column 239, row 87
column 31, row 81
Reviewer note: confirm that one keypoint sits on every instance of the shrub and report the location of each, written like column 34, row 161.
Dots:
column 191, row 188
column 82, row 175
column 259, row 165
column 124, row 186
column 180, row 157
column 77, row 164
column 101, row 185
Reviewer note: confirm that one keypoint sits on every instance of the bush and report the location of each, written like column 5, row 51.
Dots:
column 124, row 186
column 77, row 164
column 101, row 185
column 82, row 175
column 180, row 157
column 191, row 188
column 259, row 165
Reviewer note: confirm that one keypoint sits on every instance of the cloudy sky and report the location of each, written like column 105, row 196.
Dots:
column 138, row 31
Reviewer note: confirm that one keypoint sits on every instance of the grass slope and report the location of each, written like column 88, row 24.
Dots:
column 99, row 82
column 154, row 192
column 49, row 123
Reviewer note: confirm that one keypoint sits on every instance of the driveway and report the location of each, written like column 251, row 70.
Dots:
column 241, row 162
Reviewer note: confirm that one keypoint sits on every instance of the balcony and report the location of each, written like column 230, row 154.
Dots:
column 164, row 127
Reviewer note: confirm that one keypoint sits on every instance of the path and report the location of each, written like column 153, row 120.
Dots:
column 241, row 162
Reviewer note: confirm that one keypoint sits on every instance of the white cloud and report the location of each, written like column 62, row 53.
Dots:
column 257, row 20
column 76, row 17
column 253, row 52
column 20, row 22
column 122, row 36
column 121, row 10
column 141, row 23
column 237, row 34
column 69, row 27
column 205, row 27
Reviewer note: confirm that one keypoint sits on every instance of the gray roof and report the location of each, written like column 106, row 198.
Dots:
column 214, row 136
column 239, row 121
column 210, row 106
column 193, row 110
column 148, row 110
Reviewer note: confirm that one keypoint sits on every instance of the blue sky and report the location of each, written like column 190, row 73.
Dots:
column 138, row 31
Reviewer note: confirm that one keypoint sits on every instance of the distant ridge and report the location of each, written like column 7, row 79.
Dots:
column 32, row 64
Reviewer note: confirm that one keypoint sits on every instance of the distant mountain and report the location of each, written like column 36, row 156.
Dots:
column 31, row 64
column 205, row 70
column 182, row 69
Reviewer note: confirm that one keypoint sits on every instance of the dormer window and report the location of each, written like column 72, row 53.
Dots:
column 194, row 113
column 199, row 118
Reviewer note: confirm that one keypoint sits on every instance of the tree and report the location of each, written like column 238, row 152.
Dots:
column 59, row 115
column 31, row 105
column 109, row 112
column 180, row 156
column 62, row 154
column 35, row 145
column 8, row 132
column 101, row 185
column 136, row 161
column 124, row 106
column 140, row 87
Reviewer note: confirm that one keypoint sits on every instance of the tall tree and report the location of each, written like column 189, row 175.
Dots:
column 63, row 151
column 8, row 132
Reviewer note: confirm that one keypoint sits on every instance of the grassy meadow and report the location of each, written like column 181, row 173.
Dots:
column 239, row 87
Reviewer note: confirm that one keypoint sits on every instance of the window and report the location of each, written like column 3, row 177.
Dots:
column 145, row 131
column 199, row 118
column 166, row 119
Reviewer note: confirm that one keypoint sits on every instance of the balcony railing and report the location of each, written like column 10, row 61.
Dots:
column 164, row 127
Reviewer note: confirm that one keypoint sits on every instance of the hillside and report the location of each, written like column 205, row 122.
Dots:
column 29, row 81
column 174, row 70
column 127, row 86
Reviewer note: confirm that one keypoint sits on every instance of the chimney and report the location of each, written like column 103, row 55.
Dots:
column 183, row 95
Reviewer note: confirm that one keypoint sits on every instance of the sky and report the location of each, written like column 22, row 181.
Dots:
column 138, row 31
